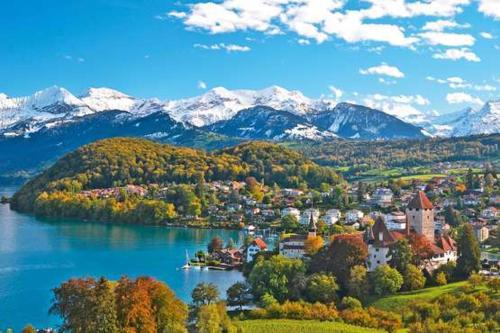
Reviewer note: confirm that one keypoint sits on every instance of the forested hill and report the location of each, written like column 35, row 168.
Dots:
column 401, row 153
column 122, row 161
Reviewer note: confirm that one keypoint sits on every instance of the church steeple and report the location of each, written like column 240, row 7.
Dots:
column 312, row 226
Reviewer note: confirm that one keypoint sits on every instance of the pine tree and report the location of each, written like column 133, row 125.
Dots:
column 469, row 253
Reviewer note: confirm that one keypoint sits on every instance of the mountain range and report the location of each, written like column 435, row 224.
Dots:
column 41, row 127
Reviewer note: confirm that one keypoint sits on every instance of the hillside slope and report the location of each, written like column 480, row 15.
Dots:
column 122, row 161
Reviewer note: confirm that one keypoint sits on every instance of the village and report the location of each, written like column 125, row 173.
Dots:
column 284, row 220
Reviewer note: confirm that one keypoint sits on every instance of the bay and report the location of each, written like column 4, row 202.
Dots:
column 36, row 255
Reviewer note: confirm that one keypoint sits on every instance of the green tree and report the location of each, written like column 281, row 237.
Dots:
column 469, row 253
column 401, row 255
column 413, row 278
column 289, row 223
column 205, row 293
column 358, row 284
column 386, row 280
column 239, row 294
column 104, row 308
column 321, row 288
column 208, row 319
column 274, row 276
column 441, row 279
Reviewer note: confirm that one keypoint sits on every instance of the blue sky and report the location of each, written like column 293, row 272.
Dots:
column 398, row 55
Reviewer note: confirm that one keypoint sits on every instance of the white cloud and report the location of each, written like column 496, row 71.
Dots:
column 222, row 46
column 405, row 107
column 484, row 87
column 441, row 25
column 490, row 8
column 311, row 19
column 202, row 85
column 461, row 97
column 383, row 69
column 337, row 93
column 447, row 38
column 302, row 41
column 456, row 82
column 457, row 54
column 486, row 35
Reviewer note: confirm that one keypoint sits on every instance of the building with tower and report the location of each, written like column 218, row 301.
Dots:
column 420, row 221
column 293, row 246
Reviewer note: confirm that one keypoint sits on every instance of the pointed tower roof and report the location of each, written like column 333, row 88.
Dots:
column 312, row 223
column 420, row 201
column 381, row 235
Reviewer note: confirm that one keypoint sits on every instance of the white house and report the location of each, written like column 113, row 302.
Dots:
column 382, row 197
column 353, row 215
column 290, row 211
column 253, row 248
column 291, row 192
column 395, row 220
column 332, row 216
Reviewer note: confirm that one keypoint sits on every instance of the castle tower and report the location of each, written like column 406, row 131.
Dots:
column 312, row 226
column 420, row 216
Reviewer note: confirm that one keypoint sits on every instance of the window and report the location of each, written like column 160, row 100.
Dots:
column 378, row 261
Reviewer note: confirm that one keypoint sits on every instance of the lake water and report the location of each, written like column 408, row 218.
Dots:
column 37, row 255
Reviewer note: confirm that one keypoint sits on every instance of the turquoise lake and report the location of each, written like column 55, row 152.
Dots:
column 37, row 255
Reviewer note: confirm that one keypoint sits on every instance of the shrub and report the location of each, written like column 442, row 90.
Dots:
column 440, row 279
column 350, row 303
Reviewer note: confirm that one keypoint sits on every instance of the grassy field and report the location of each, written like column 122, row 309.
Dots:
column 300, row 326
column 397, row 302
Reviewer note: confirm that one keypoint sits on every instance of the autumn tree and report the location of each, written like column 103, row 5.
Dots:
column 28, row 329
column 104, row 307
column 135, row 307
column 74, row 303
column 215, row 244
column 421, row 248
column 313, row 244
column 469, row 253
column 345, row 252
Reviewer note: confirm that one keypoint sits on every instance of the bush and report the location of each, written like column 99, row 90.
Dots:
column 440, row 279
column 350, row 303
column 296, row 310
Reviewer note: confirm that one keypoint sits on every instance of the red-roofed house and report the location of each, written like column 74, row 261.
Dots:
column 255, row 247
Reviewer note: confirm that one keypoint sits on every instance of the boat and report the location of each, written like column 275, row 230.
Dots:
column 188, row 264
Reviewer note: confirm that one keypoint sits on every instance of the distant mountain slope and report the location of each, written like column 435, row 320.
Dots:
column 33, row 152
column 360, row 122
column 266, row 123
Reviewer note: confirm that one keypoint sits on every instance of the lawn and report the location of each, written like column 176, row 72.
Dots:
column 398, row 301
column 300, row 326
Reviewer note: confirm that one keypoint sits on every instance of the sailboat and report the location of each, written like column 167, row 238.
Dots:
column 188, row 264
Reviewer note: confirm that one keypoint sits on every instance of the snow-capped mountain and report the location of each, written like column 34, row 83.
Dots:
column 221, row 104
column 360, row 122
column 266, row 123
column 468, row 121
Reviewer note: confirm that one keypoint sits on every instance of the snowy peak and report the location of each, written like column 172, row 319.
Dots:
column 102, row 99
column 50, row 96
column 220, row 104
column 469, row 121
